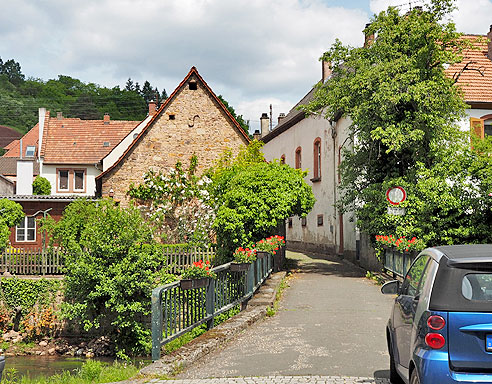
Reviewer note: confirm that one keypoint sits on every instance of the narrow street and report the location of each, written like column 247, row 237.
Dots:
column 330, row 324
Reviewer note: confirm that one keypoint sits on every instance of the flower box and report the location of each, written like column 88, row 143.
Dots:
column 239, row 267
column 194, row 283
column 262, row 254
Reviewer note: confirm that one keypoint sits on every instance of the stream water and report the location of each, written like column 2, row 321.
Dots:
column 36, row 366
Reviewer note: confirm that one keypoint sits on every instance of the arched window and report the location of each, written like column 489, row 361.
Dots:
column 298, row 158
column 317, row 159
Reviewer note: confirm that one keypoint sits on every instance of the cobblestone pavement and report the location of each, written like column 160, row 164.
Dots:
column 278, row 380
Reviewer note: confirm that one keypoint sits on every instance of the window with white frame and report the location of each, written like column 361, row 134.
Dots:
column 26, row 230
column 30, row 151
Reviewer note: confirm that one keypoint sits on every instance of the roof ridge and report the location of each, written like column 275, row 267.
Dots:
column 193, row 71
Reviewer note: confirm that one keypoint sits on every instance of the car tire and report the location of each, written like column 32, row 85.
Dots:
column 414, row 378
column 394, row 376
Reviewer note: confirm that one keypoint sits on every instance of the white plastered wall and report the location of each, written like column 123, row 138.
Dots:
column 50, row 173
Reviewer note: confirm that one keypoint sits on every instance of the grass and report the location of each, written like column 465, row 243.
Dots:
column 376, row 277
column 271, row 311
column 91, row 372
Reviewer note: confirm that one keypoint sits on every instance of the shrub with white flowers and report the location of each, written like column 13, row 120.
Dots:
column 177, row 204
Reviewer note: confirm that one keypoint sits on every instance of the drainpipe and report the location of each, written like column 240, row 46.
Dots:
column 333, row 136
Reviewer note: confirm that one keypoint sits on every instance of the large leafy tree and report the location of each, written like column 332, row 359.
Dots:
column 254, row 197
column 112, row 263
column 404, row 112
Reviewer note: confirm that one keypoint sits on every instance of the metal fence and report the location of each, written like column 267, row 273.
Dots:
column 176, row 311
column 398, row 262
column 34, row 261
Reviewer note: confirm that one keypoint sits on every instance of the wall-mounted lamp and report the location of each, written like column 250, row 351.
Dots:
column 111, row 193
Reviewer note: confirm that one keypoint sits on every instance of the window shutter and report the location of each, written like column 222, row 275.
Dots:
column 477, row 127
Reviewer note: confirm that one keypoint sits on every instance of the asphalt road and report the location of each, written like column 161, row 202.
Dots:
column 331, row 322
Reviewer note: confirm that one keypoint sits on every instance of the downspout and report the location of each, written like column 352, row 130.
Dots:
column 333, row 136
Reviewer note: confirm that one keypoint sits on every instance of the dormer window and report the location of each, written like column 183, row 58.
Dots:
column 30, row 151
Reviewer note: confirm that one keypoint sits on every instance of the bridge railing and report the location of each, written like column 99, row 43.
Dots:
column 177, row 310
column 398, row 262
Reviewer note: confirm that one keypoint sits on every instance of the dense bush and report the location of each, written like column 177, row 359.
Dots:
column 41, row 186
column 112, row 264
column 11, row 214
column 254, row 198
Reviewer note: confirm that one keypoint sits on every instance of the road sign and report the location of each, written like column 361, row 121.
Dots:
column 397, row 211
column 396, row 195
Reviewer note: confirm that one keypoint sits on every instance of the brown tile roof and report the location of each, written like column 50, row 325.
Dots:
column 8, row 166
column 7, row 135
column 476, row 88
column 31, row 138
column 76, row 141
column 193, row 71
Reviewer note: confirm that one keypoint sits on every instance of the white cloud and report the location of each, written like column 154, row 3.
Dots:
column 251, row 51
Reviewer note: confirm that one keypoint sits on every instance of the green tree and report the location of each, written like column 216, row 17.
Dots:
column 11, row 214
column 254, row 197
column 239, row 118
column 112, row 264
column 404, row 112
column 41, row 186
column 12, row 70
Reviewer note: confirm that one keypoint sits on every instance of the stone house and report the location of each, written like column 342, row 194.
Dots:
column 191, row 121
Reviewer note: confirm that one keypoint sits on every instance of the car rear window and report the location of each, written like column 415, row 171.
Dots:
column 477, row 286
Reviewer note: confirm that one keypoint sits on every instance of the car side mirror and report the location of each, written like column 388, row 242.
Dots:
column 391, row 287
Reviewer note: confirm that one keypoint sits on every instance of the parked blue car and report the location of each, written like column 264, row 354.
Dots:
column 440, row 329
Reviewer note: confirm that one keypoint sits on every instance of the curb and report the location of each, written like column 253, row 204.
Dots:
column 216, row 337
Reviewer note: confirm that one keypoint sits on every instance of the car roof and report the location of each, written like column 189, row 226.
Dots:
column 467, row 254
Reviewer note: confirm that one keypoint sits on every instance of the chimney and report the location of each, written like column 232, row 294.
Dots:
column 489, row 44
column 368, row 38
column 325, row 70
column 264, row 123
column 106, row 118
column 152, row 108
column 257, row 135
column 281, row 116
column 24, row 177
column 59, row 115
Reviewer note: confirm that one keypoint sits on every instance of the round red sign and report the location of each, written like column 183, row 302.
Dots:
column 396, row 195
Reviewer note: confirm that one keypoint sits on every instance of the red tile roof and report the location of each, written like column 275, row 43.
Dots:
column 31, row 138
column 476, row 81
column 76, row 141
column 193, row 71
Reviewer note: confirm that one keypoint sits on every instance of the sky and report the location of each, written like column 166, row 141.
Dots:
column 252, row 52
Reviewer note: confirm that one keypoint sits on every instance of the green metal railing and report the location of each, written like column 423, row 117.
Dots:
column 397, row 262
column 176, row 311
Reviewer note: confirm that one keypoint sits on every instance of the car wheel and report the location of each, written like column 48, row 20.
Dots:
column 414, row 379
column 394, row 376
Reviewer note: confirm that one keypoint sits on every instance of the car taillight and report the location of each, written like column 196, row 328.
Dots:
column 436, row 322
column 435, row 340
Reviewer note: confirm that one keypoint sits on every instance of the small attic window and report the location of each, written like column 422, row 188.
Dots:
column 192, row 85
column 172, row 117
column 30, row 151
column 106, row 144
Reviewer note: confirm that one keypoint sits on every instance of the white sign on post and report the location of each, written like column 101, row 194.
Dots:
column 395, row 196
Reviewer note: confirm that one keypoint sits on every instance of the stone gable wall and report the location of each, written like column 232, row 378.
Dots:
column 199, row 127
